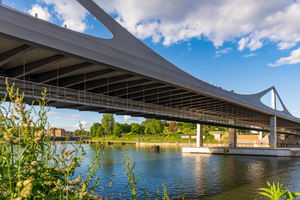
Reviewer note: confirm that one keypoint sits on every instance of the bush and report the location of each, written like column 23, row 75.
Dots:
column 31, row 166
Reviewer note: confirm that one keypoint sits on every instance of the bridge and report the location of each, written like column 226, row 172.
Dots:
column 123, row 76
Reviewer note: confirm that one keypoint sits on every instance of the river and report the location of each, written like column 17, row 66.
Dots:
column 204, row 176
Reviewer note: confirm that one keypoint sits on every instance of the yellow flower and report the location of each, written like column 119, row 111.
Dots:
column 33, row 162
column 29, row 180
column 57, row 169
column 78, row 179
column 36, row 140
column 16, row 109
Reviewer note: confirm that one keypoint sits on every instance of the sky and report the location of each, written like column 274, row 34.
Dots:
column 245, row 46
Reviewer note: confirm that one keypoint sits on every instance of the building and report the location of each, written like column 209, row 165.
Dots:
column 59, row 132
column 69, row 133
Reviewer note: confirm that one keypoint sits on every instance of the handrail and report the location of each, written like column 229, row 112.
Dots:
column 33, row 90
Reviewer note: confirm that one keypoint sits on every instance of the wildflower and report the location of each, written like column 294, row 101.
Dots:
column 18, row 100
column 25, row 111
column 57, row 169
column 27, row 190
column 29, row 121
column 33, row 162
column 64, row 160
column 71, row 181
column 40, row 133
column 25, row 167
column 14, row 117
column 70, row 156
column 58, row 182
column 16, row 109
column 7, row 137
column 67, row 153
column 78, row 179
column 23, row 106
column 111, row 183
column 25, row 125
column 28, row 181
column 36, row 140
column 19, row 198
column 20, row 184
column 121, row 193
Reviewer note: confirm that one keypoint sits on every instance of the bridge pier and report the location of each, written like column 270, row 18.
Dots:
column 199, row 135
column 273, row 133
column 232, row 135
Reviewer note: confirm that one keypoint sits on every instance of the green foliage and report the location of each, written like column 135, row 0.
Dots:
column 126, row 128
column 118, row 129
column 31, row 166
column 93, row 129
column 108, row 123
column 154, row 126
column 275, row 193
column 100, row 131
column 136, row 128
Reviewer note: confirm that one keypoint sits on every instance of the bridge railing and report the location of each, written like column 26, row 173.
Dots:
column 34, row 90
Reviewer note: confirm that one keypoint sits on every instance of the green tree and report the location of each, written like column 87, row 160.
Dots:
column 126, row 128
column 188, row 131
column 93, row 129
column 172, row 125
column 148, row 129
column 77, row 132
column 157, row 126
column 100, row 131
column 118, row 129
column 108, row 123
column 136, row 128
column 144, row 123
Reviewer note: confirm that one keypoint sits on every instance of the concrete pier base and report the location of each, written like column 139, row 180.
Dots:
column 243, row 151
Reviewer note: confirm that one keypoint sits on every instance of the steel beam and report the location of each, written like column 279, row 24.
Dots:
column 14, row 53
column 122, row 85
column 134, row 90
column 55, row 74
column 106, row 81
column 20, row 71
column 74, row 80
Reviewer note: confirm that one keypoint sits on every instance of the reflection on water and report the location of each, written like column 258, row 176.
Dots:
column 204, row 176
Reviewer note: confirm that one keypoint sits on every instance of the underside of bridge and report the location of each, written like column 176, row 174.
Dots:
column 29, row 61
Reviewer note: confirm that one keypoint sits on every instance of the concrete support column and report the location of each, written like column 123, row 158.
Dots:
column 199, row 135
column 232, row 135
column 260, row 135
column 273, row 133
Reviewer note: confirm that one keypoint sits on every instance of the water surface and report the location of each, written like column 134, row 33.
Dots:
column 204, row 176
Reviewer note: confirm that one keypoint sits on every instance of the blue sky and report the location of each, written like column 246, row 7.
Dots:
column 241, row 46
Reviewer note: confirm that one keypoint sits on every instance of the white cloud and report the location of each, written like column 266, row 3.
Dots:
column 292, row 59
column 68, row 117
column 257, row 21
column 129, row 119
column 54, row 113
column 249, row 55
column 242, row 43
column 286, row 45
column 70, row 12
column 74, row 115
column 85, row 124
column 250, row 24
column 223, row 51
column 42, row 13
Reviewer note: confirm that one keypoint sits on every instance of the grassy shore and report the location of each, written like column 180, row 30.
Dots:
column 159, row 138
